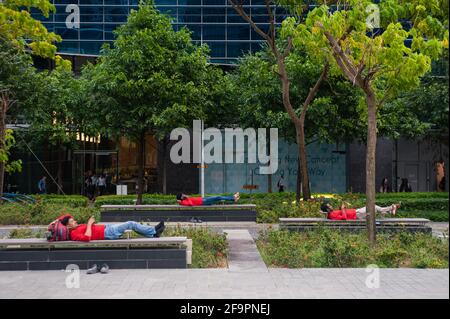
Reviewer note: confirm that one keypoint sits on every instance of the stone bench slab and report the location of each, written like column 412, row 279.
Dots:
column 38, row 254
column 180, row 207
column 390, row 225
column 178, row 213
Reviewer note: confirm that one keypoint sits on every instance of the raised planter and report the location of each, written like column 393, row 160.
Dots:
column 391, row 225
column 177, row 213
column 38, row 254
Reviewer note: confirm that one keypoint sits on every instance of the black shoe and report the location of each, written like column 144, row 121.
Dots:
column 159, row 231
column 92, row 270
column 161, row 224
column 104, row 269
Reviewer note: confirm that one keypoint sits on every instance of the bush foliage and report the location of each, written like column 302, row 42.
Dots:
column 270, row 207
column 327, row 248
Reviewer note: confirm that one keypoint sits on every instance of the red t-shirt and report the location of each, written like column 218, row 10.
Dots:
column 192, row 201
column 350, row 214
column 78, row 234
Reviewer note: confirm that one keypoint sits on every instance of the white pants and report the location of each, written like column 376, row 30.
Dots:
column 361, row 213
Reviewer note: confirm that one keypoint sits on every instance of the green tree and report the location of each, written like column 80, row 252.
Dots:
column 19, row 33
column 149, row 81
column 17, row 26
column 381, row 62
column 16, row 78
column 281, row 50
column 55, row 113
column 333, row 115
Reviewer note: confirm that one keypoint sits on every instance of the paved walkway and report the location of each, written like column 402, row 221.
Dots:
column 224, row 283
column 246, row 277
column 243, row 255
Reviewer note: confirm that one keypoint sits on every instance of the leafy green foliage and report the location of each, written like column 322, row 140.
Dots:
column 209, row 249
column 384, row 58
column 42, row 213
column 151, row 80
column 14, row 166
column 334, row 249
column 17, row 25
column 57, row 109
column 272, row 206
column 334, row 115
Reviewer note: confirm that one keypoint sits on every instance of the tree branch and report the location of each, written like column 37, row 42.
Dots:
column 240, row 10
column 341, row 58
column 313, row 91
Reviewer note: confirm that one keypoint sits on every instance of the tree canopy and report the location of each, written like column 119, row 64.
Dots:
column 19, row 27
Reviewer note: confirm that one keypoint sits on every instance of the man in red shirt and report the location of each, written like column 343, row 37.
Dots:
column 352, row 214
column 92, row 231
column 186, row 200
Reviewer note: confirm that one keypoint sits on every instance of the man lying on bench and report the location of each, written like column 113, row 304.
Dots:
column 352, row 214
column 92, row 231
column 186, row 200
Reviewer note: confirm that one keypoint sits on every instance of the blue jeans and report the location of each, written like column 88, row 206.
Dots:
column 117, row 230
column 214, row 199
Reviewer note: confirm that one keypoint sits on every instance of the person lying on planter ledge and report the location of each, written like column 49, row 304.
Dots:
column 186, row 200
column 92, row 231
column 351, row 214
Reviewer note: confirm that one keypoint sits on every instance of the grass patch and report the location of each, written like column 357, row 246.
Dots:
column 328, row 249
column 270, row 206
column 26, row 233
column 209, row 249
column 42, row 213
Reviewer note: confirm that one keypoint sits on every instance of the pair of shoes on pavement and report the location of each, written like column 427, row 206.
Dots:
column 196, row 220
column 104, row 269
column 159, row 229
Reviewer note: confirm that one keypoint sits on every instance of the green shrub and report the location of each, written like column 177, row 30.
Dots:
column 42, row 213
column 328, row 248
column 66, row 200
column 26, row 233
column 209, row 249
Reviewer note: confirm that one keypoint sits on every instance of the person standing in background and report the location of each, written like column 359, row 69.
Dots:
column 280, row 184
column 440, row 176
column 42, row 185
column 405, row 186
column 101, row 182
column 384, row 188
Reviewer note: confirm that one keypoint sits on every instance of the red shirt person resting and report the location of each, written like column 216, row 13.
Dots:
column 352, row 214
column 186, row 200
column 92, row 231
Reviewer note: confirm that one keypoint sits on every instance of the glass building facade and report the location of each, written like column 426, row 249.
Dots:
column 213, row 22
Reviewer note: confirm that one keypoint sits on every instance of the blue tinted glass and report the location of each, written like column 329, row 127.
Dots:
column 214, row 32
column 211, row 21
column 217, row 49
column 237, row 49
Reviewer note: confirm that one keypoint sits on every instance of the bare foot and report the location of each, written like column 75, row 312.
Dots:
column 394, row 209
column 237, row 196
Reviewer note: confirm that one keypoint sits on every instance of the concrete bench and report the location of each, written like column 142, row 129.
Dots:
column 383, row 225
column 178, row 213
column 138, row 253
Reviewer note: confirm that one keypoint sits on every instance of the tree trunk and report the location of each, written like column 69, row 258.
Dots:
column 164, row 171
column 269, row 176
column 59, row 174
column 141, row 163
column 3, row 105
column 370, row 163
column 299, row 128
column 299, row 182
column 303, row 166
